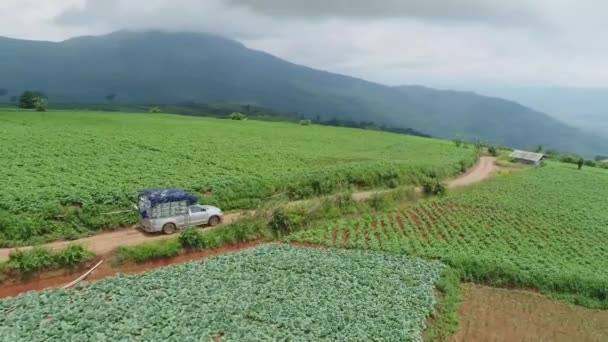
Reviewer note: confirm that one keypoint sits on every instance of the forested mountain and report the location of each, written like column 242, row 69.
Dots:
column 160, row 68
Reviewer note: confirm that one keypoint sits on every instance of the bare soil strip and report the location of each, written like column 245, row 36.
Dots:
column 491, row 314
column 107, row 241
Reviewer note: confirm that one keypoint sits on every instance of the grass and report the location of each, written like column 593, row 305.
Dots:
column 147, row 251
column 544, row 228
column 444, row 320
column 37, row 259
column 84, row 164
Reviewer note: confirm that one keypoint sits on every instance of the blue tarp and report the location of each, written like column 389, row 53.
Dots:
column 156, row 196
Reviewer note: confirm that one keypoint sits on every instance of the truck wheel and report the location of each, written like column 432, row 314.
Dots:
column 169, row 228
column 214, row 221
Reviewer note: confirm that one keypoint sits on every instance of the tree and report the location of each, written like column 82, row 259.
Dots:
column 27, row 100
column 3, row 92
column 41, row 104
column 458, row 141
column 237, row 116
column 601, row 158
column 580, row 163
column 110, row 97
column 492, row 151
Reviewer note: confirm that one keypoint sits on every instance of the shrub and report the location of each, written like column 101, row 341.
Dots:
column 148, row 251
column 283, row 221
column 35, row 259
column 27, row 100
column 153, row 110
column 237, row 116
column 433, row 186
column 458, row 141
column 192, row 239
column 41, row 104
column 72, row 255
column 305, row 122
column 43, row 258
column 492, row 151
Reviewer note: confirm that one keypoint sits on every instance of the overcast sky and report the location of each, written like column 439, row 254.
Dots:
column 451, row 43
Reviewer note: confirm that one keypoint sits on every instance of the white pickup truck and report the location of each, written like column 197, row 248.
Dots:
column 166, row 210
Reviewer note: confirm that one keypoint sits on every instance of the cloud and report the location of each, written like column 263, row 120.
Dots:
column 433, row 42
column 488, row 11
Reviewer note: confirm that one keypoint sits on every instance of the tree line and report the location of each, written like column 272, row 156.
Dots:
column 28, row 99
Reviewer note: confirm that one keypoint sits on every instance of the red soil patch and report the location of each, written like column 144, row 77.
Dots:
column 55, row 279
column 345, row 236
column 490, row 314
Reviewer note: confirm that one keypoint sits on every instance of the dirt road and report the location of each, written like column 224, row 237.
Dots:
column 485, row 168
column 107, row 241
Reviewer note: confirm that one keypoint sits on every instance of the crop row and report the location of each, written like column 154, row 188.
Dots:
column 538, row 228
column 82, row 164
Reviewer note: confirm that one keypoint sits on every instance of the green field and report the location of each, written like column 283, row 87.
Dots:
column 273, row 292
column 545, row 228
column 62, row 170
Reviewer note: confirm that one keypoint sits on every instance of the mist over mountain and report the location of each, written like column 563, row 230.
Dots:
column 161, row 68
column 582, row 107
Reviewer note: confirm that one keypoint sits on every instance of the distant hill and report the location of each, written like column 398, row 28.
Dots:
column 163, row 68
column 583, row 107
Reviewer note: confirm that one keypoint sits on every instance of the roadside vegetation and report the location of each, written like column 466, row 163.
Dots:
column 274, row 220
column 50, row 192
column 25, row 263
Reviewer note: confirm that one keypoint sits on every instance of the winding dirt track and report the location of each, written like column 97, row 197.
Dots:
column 105, row 242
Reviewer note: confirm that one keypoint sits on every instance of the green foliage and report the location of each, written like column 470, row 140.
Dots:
column 274, row 292
column 147, row 251
column 33, row 260
column 192, row 239
column 231, row 167
column 41, row 104
column 305, row 122
column 433, row 186
column 42, row 258
column 445, row 316
column 285, row 221
column 72, row 255
column 458, row 142
column 154, row 110
column 237, row 116
column 27, row 100
column 493, row 151
column 539, row 228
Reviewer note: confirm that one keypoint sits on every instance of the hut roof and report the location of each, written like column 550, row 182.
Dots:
column 530, row 156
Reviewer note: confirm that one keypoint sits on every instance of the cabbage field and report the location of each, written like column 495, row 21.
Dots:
column 273, row 292
column 60, row 170
column 545, row 228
